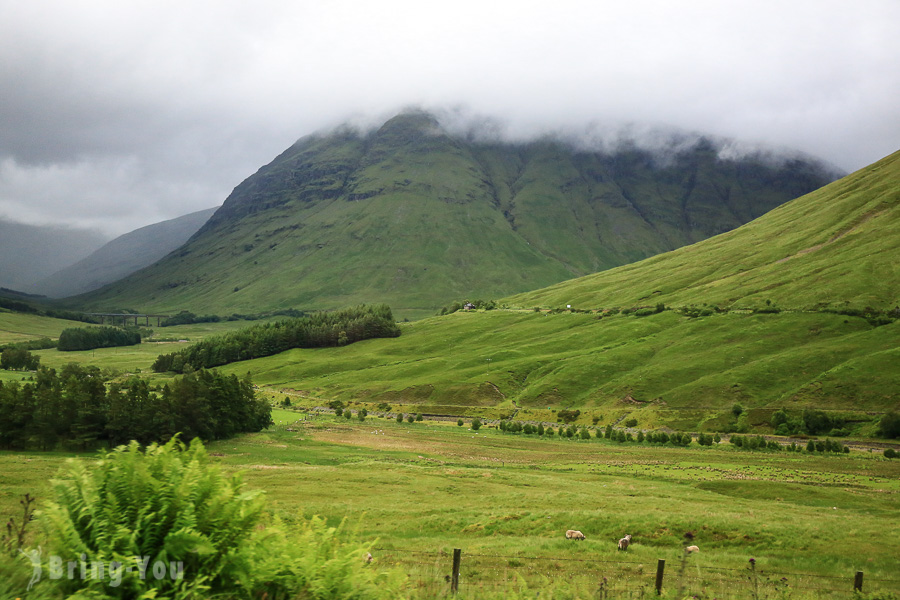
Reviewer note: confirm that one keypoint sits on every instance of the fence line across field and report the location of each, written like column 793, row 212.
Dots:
column 457, row 556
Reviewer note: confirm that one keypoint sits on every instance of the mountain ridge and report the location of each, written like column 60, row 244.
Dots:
column 122, row 256
column 414, row 216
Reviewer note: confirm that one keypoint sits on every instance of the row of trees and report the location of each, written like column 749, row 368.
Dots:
column 88, row 338
column 76, row 408
column 319, row 330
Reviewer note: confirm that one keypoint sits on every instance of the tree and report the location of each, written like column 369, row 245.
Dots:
column 889, row 426
column 476, row 424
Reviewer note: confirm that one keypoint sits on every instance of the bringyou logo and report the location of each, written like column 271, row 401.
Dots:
column 111, row 572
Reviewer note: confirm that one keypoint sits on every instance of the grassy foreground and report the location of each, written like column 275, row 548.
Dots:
column 423, row 489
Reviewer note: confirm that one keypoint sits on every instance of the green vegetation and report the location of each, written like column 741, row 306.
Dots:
column 663, row 370
column 415, row 217
column 320, row 330
column 833, row 249
column 88, row 338
column 76, row 408
column 18, row 358
column 507, row 500
column 137, row 510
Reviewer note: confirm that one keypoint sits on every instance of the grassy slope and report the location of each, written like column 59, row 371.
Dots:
column 414, row 217
column 20, row 327
column 468, row 363
column 836, row 246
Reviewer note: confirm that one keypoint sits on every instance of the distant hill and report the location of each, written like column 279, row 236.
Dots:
column 836, row 247
column 28, row 253
column 122, row 256
column 415, row 215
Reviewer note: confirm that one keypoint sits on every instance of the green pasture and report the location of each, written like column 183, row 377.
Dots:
column 21, row 327
column 423, row 489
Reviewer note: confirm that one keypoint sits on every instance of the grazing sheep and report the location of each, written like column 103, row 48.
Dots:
column 368, row 557
column 623, row 543
column 574, row 535
column 691, row 549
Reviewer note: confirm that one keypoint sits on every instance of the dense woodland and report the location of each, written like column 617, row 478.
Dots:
column 319, row 330
column 88, row 338
column 76, row 408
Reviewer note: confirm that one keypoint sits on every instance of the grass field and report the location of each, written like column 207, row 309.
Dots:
column 423, row 489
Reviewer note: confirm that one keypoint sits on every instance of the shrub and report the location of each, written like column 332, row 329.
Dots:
column 348, row 414
column 166, row 502
column 567, row 416
column 476, row 424
column 890, row 453
column 631, row 423
column 889, row 426
column 640, row 437
column 418, row 416
column 550, row 431
column 540, row 429
column 410, row 418
column 460, row 423
column 339, row 412
column 609, row 431
column 399, row 417
column 584, row 434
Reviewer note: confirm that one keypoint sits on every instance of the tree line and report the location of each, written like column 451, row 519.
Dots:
column 88, row 338
column 319, row 330
column 76, row 408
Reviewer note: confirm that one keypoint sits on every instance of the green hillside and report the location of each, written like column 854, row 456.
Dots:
column 835, row 247
column 665, row 369
column 414, row 216
column 672, row 367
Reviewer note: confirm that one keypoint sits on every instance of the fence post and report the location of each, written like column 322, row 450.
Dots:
column 857, row 581
column 454, row 578
column 660, row 567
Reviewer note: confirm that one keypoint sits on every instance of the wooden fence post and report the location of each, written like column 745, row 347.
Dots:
column 660, row 567
column 454, row 578
column 857, row 581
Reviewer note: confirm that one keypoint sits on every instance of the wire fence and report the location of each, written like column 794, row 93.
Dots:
column 433, row 571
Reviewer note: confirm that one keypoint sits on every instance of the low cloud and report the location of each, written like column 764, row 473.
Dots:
column 118, row 114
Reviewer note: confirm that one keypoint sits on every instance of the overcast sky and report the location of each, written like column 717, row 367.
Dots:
column 116, row 114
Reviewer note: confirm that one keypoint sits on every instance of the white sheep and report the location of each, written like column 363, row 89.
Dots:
column 623, row 543
column 572, row 534
column 691, row 549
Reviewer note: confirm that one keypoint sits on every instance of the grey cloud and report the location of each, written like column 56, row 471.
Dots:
column 117, row 114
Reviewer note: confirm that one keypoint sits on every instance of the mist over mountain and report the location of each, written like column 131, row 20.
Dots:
column 122, row 256
column 416, row 213
column 29, row 253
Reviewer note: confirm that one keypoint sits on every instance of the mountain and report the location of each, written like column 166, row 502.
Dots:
column 122, row 256
column 28, row 253
column 836, row 247
column 415, row 215
column 815, row 346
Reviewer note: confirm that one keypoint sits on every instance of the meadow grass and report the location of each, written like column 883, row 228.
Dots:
column 423, row 489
